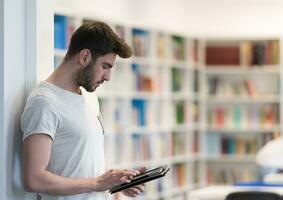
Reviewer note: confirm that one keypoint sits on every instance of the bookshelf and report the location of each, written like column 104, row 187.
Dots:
column 150, row 108
column 241, row 90
column 203, row 106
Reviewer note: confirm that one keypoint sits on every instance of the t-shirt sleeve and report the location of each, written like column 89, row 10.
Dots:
column 39, row 117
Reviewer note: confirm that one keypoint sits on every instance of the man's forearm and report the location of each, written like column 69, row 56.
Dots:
column 47, row 182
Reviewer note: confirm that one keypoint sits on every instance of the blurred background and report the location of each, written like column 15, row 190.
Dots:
column 202, row 92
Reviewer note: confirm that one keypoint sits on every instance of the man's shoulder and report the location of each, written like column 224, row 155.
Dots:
column 42, row 94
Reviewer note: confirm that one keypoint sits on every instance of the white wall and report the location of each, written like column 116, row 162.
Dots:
column 145, row 13
column 235, row 17
column 1, row 95
column 25, row 28
column 194, row 17
column 13, row 83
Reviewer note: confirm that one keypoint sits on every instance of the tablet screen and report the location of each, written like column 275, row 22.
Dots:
column 142, row 178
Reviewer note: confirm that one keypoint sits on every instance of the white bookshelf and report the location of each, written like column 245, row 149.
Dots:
column 157, row 136
column 162, row 137
column 234, row 109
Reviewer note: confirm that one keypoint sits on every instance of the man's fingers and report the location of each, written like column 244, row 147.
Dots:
column 128, row 174
column 140, row 188
column 129, row 193
column 125, row 179
column 131, row 172
column 134, row 191
column 142, row 169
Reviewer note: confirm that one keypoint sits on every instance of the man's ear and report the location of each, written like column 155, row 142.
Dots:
column 85, row 57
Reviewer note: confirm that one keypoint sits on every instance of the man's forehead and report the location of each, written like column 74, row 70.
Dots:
column 108, row 58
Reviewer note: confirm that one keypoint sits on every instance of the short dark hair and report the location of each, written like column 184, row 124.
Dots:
column 100, row 39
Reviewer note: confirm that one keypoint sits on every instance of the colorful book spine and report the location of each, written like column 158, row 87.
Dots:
column 141, row 42
column 60, row 30
column 139, row 110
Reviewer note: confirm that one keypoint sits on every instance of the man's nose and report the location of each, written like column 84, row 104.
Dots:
column 107, row 75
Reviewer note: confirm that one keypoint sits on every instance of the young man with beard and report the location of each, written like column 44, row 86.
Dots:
column 62, row 136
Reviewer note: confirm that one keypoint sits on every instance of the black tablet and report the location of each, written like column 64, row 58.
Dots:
column 142, row 178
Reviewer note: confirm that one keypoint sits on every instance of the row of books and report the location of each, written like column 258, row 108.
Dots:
column 229, row 175
column 64, row 27
column 145, row 78
column 145, row 113
column 260, row 53
column 220, row 87
column 149, row 146
column 246, row 53
column 221, row 144
column 179, row 112
column 165, row 145
column 141, row 46
column 243, row 116
column 146, row 147
column 178, row 46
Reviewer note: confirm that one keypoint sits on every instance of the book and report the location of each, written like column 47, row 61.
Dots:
column 258, row 53
column 178, row 47
column 140, row 111
column 222, row 55
column 246, row 53
column 141, row 43
column 161, row 46
column 60, row 29
column 177, row 78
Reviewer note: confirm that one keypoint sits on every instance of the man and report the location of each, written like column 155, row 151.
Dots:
column 62, row 135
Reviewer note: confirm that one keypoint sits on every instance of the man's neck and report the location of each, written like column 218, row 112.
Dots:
column 64, row 78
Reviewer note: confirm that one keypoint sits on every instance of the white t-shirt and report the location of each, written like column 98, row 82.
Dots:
column 71, row 120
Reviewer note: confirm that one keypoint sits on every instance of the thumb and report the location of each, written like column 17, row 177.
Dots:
column 125, row 179
column 142, row 169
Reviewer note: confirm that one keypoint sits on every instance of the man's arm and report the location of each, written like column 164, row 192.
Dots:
column 36, row 154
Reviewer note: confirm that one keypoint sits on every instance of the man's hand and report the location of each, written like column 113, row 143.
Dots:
column 113, row 177
column 136, row 190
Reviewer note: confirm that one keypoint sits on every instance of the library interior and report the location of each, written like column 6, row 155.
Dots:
column 200, row 94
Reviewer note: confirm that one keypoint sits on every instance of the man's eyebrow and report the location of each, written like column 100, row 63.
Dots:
column 108, row 64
